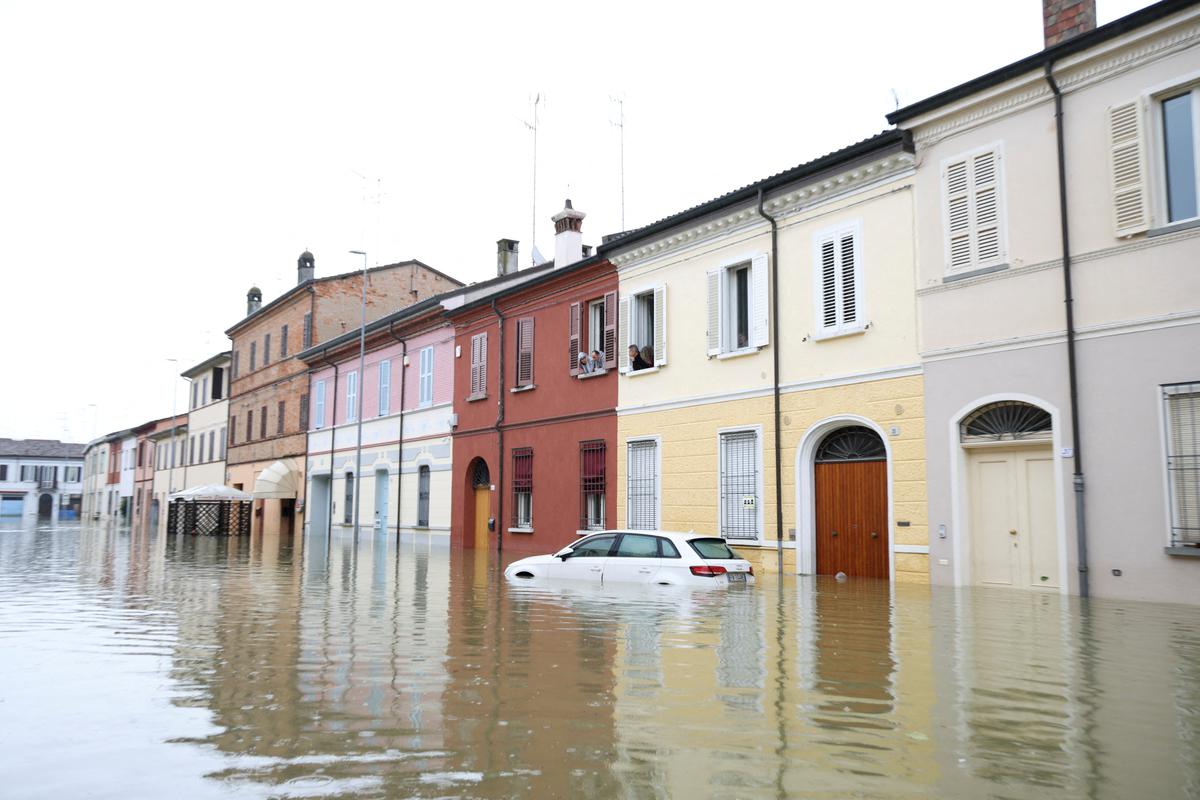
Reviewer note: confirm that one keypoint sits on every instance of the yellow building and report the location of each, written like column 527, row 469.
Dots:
column 697, row 413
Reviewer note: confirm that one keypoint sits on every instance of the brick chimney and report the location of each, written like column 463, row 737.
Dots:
column 1066, row 19
column 506, row 256
column 305, row 267
column 568, row 236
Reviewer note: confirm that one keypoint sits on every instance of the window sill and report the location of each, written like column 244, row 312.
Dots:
column 583, row 376
column 973, row 273
column 838, row 333
column 520, row 530
column 1174, row 227
column 745, row 351
column 633, row 373
column 517, row 389
column 1186, row 552
column 476, row 398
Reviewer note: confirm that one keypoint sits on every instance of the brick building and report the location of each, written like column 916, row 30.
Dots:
column 268, row 400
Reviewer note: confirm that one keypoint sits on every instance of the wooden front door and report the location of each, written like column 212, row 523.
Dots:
column 850, row 479
column 482, row 507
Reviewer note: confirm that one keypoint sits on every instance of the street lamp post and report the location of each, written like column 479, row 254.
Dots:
column 361, row 382
column 174, row 427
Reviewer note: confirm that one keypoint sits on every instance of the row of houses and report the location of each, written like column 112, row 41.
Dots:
column 962, row 351
column 40, row 479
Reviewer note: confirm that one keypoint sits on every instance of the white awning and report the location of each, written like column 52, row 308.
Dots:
column 211, row 492
column 277, row 481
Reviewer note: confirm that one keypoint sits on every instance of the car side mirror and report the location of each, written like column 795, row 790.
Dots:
column 564, row 554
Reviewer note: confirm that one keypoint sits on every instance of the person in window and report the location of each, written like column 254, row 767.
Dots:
column 584, row 366
column 648, row 355
column 636, row 361
column 596, row 364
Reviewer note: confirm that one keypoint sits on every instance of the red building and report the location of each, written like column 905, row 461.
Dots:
column 535, row 444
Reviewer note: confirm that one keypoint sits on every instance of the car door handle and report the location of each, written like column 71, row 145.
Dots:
column 644, row 570
column 594, row 569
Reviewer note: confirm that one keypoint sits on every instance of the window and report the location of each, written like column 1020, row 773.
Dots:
column 643, row 324
column 596, row 332
column 478, row 366
column 283, row 342
column 739, row 495
column 308, row 331
column 3, row 472
column 593, row 546
column 1179, row 155
column 222, row 444
column 28, row 473
column 642, row 489
column 525, row 352
column 319, row 413
column 218, row 374
column 249, row 425
column 385, row 386
column 204, row 391
column 591, row 485
column 303, row 412
column 351, row 396
column 233, row 429
column 973, row 206
column 191, row 450
column 425, row 377
column 266, row 349
column 72, row 475
column 595, row 327
column 234, row 367
column 737, row 307
column 637, row 545
column 262, row 424
column 837, row 280
column 1182, row 411
column 522, row 483
column 253, row 356
column 423, row 496
column 195, row 393
column 279, row 418
column 348, row 511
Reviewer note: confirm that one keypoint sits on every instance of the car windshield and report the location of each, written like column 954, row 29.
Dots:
column 712, row 548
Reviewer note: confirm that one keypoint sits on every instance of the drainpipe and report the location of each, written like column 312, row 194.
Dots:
column 500, row 437
column 400, row 444
column 1069, row 300
column 775, row 378
column 332, row 442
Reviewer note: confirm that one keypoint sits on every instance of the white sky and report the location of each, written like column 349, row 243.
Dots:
column 157, row 159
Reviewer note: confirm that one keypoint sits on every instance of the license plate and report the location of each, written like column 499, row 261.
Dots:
column 736, row 577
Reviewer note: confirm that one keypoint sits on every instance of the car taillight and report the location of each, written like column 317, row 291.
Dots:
column 708, row 571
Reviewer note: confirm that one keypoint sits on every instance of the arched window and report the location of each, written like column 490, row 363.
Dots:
column 853, row 443
column 480, row 475
column 1006, row 421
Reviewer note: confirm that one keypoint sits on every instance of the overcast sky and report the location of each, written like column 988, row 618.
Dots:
column 160, row 158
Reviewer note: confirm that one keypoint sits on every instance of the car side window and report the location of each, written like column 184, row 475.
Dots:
column 595, row 547
column 637, row 545
column 667, row 549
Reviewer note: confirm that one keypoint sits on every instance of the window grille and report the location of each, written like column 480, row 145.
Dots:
column 253, row 356
column 283, row 342
column 348, row 511
column 308, row 331
column 262, row 424
column 1006, row 421
column 591, row 485
column 266, row 349
column 423, row 496
column 522, row 483
column 739, row 485
column 643, row 485
column 279, row 420
column 480, row 476
column 1182, row 411
column 303, row 412
column 852, row 443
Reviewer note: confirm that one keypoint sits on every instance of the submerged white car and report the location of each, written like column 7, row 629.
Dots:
column 657, row 557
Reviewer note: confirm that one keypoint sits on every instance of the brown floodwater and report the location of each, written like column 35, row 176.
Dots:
column 139, row 665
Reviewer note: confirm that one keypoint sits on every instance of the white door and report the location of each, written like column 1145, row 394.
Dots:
column 587, row 561
column 381, row 499
column 634, row 561
column 1014, row 540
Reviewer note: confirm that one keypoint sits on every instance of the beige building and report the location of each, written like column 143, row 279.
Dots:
column 1004, row 364
column 207, row 421
column 697, row 425
column 170, row 472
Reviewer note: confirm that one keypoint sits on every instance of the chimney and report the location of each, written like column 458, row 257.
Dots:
column 1066, row 19
column 305, row 267
column 506, row 256
column 568, row 236
column 253, row 300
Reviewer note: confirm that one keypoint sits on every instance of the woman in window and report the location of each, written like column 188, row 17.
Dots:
column 636, row 361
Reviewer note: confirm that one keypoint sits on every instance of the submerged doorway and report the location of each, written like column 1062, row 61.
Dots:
column 381, row 500
column 481, row 502
column 1011, row 494
column 45, row 507
column 850, row 491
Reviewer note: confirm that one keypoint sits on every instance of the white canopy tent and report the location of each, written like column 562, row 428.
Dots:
column 211, row 492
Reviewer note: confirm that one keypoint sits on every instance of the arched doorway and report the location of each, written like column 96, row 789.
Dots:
column 850, row 493
column 45, row 507
column 1011, row 495
column 479, row 503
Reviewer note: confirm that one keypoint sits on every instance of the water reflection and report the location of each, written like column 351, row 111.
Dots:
column 137, row 664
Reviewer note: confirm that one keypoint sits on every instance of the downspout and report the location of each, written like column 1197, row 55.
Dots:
column 1069, row 300
column 775, row 378
column 500, row 437
column 400, row 442
column 332, row 441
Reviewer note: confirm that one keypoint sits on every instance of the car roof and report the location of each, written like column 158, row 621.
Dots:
column 679, row 536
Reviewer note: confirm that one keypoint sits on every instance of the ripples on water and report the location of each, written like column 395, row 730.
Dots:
column 138, row 665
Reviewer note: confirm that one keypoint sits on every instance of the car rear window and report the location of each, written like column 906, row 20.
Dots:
column 712, row 548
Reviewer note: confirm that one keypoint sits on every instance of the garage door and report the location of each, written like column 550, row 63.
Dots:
column 11, row 506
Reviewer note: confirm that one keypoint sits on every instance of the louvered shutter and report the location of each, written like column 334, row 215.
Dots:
column 610, row 330
column 973, row 211
column 573, row 322
column 1131, row 207
column 848, row 299
column 525, row 351
column 985, row 174
column 623, row 334
column 829, row 283
column 714, row 312
column 478, row 364
column 660, row 326
column 958, row 216
column 760, row 331
column 838, row 278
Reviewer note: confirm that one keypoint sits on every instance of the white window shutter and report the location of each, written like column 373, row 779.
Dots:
column 1131, row 206
column 714, row 312
column 985, row 180
column 623, row 334
column 760, row 319
column 848, row 288
column 660, row 325
column 958, row 214
column 828, row 282
column 974, row 211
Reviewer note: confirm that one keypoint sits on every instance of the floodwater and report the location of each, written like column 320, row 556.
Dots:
column 137, row 665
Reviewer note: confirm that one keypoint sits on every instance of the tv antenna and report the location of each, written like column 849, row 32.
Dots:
column 620, row 123
column 533, row 126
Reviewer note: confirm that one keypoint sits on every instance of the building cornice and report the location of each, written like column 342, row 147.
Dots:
column 799, row 199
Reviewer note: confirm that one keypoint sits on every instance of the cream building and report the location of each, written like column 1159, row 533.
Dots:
column 170, row 471
column 697, row 430
column 1002, row 454
column 207, row 421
